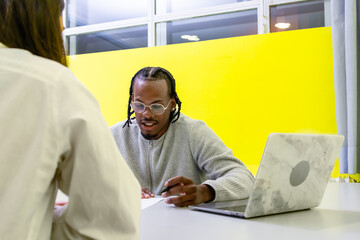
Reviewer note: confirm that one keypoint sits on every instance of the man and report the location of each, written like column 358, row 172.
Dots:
column 166, row 148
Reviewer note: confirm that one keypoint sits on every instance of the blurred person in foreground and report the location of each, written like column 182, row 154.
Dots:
column 54, row 136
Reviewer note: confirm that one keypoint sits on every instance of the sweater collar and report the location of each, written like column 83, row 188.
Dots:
column 156, row 141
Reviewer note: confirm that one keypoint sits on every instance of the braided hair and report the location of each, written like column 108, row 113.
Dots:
column 153, row 74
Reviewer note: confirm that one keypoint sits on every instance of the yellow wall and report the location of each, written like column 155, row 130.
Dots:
column 244, row 87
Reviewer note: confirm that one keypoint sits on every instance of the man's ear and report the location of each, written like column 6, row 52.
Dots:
column 173, row 104
column 132, row 97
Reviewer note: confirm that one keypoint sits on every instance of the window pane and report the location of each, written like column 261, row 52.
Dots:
column 206, row 28
column 180, row 5
column 125, row 38
column 84, row 12
column 297, row 16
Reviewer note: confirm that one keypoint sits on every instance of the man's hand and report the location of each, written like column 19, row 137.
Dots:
column 188, row 193
column 145, row 193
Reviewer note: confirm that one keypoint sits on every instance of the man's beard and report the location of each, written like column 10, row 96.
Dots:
column 149, row 136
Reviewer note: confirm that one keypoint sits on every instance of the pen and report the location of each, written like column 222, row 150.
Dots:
column 165, row 189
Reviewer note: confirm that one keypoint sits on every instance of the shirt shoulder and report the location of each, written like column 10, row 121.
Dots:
column 196, row 131
column 190, row 125
column 22, row 62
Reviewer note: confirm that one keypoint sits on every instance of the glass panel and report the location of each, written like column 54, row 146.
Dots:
column 180, row 5
column 206, row 28
column 297, row 16
column 125, row 38
column 84, row 12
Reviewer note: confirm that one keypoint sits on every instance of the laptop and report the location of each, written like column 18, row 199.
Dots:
column 293, row 175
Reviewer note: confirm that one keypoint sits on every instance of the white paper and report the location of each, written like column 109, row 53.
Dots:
column 61, row 198
column 147, row 202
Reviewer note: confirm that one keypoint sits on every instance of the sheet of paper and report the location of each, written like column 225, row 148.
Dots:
column 145, row 203
column 61, row 199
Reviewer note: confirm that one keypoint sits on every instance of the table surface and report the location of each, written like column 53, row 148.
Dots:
column 337, row 217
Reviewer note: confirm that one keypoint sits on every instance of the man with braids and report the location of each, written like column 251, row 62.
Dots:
column 163, row 147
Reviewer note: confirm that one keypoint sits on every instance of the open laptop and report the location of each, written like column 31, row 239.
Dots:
column 293, row 175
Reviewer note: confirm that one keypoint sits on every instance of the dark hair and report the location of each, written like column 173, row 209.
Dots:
column 33, row 25
column 153, row 74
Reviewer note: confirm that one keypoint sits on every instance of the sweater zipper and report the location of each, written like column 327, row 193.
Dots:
column 149, row 164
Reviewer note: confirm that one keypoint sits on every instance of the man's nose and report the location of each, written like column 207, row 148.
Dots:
column 147, row 112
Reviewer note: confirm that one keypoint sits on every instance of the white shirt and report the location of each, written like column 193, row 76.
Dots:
column 53, row 134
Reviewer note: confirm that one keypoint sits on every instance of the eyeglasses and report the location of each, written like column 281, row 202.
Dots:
column 155, row 108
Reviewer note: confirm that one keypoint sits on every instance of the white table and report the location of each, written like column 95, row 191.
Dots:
column 338, row 217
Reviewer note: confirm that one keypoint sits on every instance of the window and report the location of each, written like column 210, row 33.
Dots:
column 84, row 12
column 123, row 38
column 297, row 16
column 209, row 27
column 98, row 25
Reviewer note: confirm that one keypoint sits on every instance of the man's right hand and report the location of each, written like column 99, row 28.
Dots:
column 145, row 193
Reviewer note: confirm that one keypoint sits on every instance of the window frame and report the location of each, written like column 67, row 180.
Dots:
column 154, row 35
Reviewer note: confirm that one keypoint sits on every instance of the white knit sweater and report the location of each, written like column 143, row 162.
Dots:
column 188, row 148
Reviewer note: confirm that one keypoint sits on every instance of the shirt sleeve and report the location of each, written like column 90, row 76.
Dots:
column 104, row 195
column 228, row 176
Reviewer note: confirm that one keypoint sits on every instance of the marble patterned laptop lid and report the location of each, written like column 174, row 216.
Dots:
column 293, row 173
